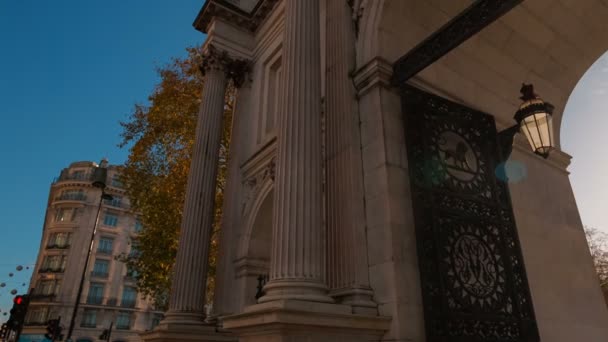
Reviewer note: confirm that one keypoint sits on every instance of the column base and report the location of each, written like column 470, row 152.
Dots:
column 301, row 321
column 360, row 299
column 296, row 290
column 183, row 332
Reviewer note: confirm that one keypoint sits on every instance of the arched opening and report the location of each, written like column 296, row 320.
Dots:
column 584, row 136
column 253, row 263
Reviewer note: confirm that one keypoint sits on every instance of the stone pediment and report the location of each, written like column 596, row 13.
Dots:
column 248, row 14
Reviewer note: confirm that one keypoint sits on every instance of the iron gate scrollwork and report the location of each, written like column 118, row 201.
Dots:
column 473, row 279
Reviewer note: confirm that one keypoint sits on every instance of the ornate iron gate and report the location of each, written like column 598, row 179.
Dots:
column 473, row 279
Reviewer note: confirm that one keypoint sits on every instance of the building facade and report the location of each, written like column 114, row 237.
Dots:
column 109, row 292
column 366, row 175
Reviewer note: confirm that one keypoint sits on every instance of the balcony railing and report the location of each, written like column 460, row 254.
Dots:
column 51, row 270
column 99, row 274
column 94, row 300
column 71, row 197
column 66, row 176
column 127, row 303
column 111, row 302
column 35, row 323
column 42, row 297
column 88, row 325
column 123, row 326
column 106, row 251
column 58, row 246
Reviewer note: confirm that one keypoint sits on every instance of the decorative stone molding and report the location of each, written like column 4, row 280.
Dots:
column 233, row 14
column 377, row 72
column 235, row 69
column 255, row 182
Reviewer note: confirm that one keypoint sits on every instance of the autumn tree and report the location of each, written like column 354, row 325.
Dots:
column 161, row 135
column 598, row 246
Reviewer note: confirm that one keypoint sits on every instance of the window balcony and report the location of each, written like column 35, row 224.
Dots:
column 123, row 326
column 58, row 246
column 99, row 274
column 71, row 197
column 76, row 176
column 42, row 297
column 94, row 300
column 88, row 325
column 105, row 251
column 128, row 303
column 51, row 270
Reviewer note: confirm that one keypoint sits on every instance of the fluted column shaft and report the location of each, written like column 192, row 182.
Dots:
column 348, row 266
column 190, row 277
column 298, row 248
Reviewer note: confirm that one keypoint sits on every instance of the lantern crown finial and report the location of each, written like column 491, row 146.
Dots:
column 527, row 92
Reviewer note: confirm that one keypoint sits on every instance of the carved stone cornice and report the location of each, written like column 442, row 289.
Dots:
column 233, row 14
column 235, row 69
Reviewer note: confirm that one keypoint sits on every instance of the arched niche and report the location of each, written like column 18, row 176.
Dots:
column 550, row 44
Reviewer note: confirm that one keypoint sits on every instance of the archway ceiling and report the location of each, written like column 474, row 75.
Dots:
column 550, row 43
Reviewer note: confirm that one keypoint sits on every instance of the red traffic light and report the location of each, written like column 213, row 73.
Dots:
column 18, row 300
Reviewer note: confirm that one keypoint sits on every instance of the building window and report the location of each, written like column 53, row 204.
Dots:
column 89, row 319
column 101, row 268
column 48, row 287
column 131, row 273
column 116, row 182
column 95, row 294
column 116, row 201
column 54, row 263
column 129, row 297
column 59, row 240
column 65, row 215
column 72, row 195
column 105, row 245
column 123, row 321
column 110, row 220
column 78, row 175
column 138, row 226
column 37, row 315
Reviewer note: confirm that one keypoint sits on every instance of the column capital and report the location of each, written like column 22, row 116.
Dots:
column 235, row 69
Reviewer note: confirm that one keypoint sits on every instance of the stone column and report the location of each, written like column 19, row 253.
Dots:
column 348, row 266
column 297, row 269
column 189, row 281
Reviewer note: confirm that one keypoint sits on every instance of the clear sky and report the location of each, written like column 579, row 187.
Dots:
column 70, row 70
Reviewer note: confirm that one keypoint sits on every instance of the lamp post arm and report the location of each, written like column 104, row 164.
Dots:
column 505, row 142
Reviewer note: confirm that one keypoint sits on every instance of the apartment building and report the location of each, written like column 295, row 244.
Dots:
column 109, row 292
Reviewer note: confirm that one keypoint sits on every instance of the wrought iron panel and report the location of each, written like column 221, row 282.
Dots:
column 474, row 284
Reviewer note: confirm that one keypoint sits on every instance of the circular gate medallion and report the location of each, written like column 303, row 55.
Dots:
column 457, row 156
column 474, row 265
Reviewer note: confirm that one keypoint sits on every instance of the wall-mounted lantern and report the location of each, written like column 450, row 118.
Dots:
column 534, row 120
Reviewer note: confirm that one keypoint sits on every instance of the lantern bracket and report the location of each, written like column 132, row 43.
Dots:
column 505, row 141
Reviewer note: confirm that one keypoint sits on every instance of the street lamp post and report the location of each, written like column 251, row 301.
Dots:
column 99, row 181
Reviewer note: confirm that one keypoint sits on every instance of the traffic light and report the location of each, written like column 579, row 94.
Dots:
column 18, row 312
column 4, row 331
column 53, row 330
column 104, row 335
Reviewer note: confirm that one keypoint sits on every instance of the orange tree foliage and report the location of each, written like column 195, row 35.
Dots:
column 161, row 137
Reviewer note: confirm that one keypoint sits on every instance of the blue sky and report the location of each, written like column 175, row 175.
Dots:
column 70, row 70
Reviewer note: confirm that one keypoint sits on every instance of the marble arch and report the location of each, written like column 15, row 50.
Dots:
column 357, row 278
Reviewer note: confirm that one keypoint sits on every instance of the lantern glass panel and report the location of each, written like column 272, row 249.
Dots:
column 538, row 130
